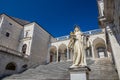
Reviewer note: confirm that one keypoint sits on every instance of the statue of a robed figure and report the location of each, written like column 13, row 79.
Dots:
column 77, row 44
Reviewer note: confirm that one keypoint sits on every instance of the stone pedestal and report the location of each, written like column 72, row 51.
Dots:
column 81, row 73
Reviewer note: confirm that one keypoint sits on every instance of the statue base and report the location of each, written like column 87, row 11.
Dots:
column 79, row 73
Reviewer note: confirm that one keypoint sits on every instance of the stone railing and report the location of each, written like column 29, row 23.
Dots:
column 62, row 38
column 11, row 51
column 92, row 32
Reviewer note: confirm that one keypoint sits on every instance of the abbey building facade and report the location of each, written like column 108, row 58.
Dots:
column 25, row 45
column 22, row 45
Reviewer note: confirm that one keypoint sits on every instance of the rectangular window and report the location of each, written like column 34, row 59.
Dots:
column 10, row 23
column 26, row 35
column 7, row 34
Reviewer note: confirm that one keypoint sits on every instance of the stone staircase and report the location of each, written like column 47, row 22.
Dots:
column 100, row 69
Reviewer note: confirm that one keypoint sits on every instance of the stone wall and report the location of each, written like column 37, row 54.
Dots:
column 6, row 58
column 112, row 22
column 10, row 33
column 39, row 47
column 13, row 36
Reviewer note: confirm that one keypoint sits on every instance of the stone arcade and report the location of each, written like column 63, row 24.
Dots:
column 27, row 46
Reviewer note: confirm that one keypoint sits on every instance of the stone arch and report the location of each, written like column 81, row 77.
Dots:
column 62, row 50
column 99, row 48
column 53, row 54
column 95, row 41
column 24, row 47
column 11, row 66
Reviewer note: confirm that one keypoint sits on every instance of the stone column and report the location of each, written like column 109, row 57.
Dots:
column 48, row 56
column 68, row 53
column 81, row 73
column 71, row 54
column 57, row 55
column 92, row 50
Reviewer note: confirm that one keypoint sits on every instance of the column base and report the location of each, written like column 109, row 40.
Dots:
column 80, row 73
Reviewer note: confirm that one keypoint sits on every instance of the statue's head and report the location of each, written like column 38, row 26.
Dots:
column 76, row 28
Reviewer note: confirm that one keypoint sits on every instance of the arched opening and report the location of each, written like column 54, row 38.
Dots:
column 53, row 54
column 24, row 47
column 10, row 66
column 62, row 52
column 99, row 48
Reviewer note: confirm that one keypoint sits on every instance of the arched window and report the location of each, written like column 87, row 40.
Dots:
column 101, row 52
column 10, row 66
column 24, row 48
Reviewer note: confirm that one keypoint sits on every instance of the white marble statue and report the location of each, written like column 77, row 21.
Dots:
column 76, row 43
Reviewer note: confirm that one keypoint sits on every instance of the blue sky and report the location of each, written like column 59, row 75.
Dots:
column 58, row 17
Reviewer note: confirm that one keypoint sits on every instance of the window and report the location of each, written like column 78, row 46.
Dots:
column 24, row 66
column 10, row 66
column 7, row 34
column 10, row 23
column 26, row 34
column 24, row 47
